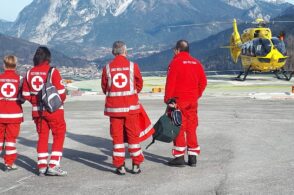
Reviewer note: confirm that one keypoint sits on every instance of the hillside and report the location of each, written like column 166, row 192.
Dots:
column 86, row 28
column 25, row 50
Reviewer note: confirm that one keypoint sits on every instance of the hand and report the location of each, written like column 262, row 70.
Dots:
column 172, row 105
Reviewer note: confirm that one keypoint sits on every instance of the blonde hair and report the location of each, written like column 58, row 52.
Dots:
column 10, row 61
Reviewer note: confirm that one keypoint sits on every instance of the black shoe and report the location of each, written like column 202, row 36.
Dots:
column 136, row 169
column 177, row 162
column 121, row 170
column 192, row 160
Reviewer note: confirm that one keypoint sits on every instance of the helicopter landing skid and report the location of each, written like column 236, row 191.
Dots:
column 244, row 73
column 283, row 74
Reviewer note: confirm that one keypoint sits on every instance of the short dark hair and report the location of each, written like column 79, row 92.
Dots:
column 182, row 45
column 42, row 54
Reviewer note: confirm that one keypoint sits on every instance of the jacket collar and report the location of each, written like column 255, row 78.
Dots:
column 119, row 57
column 182, row 54
column 9, row 71
column 45, row 63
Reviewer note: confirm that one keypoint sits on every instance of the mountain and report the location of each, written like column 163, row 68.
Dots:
column 214, row 57
column 25, row 50
column 5, row 25
column 87, row 28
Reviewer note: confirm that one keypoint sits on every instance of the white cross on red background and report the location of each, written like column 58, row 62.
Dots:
column 8, row 90
column 120, row 80
column 37, row 83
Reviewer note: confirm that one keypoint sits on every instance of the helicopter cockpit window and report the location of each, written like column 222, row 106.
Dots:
column 280, row 45
column 261, row 46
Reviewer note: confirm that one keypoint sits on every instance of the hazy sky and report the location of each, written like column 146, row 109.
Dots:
column 9, row 9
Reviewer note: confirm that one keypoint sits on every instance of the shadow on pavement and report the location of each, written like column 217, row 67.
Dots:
column 27, row 164
column 90, row 159
column 105, row 146
column 156, row 158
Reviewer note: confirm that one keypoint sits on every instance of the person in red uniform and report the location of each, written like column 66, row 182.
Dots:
column 121, row 82
column 11, row 114
column 44, row 120
column 185, row 83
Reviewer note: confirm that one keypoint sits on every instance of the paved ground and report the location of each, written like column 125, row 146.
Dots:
column 247, row 148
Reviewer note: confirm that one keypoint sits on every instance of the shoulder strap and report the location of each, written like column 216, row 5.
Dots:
column 153, row 141
column 20, row 83
column 49, row 74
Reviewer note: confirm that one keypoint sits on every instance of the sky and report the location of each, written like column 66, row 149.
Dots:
column 9, row 9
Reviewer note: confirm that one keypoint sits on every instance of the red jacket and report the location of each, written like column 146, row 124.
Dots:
column 33, row 83
column 121, row 82
column 10, row 108
column 186, row 79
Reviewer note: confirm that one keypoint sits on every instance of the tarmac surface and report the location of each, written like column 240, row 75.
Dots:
column 247, row 147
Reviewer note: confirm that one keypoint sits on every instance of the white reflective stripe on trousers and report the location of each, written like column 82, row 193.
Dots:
column 137, row 107
column 10, row 144
column 179, row 148
column 192, row 153
column 118, row 146
column 19, row 115
column 54, row 162
column 198, row 148
column 43, row 155
column 119, row 154
column 138, row 153
column 134, row 146
column 146, row 131
column 43, row 161
column 9, row 152
column 55, row 153
column 179, row 155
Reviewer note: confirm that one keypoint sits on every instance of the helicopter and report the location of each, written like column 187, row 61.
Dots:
column 259, row 51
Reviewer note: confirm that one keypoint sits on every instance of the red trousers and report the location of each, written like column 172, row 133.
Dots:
column 187, row 138
column 130, row 126
column 58, row 127
column 8, row 134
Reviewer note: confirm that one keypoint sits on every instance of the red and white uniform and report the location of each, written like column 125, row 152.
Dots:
column 34, row 81
column 186, row 81
column 121, row 82
column 11, row 114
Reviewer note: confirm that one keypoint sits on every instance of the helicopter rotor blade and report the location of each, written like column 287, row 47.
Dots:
column 199, row 24
column 280, row 21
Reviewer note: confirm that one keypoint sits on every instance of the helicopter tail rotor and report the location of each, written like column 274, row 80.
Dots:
column 235, row 43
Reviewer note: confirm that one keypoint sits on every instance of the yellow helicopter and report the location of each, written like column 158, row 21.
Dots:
column 259, row 51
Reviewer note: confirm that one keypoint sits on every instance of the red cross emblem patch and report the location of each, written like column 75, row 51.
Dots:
column 8, row 90
column 37, row 83
column 120, row 80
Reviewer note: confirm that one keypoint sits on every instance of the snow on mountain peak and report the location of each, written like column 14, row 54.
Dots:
column 247, row 4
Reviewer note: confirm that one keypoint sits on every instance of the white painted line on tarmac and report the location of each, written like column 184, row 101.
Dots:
column 20, row 182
